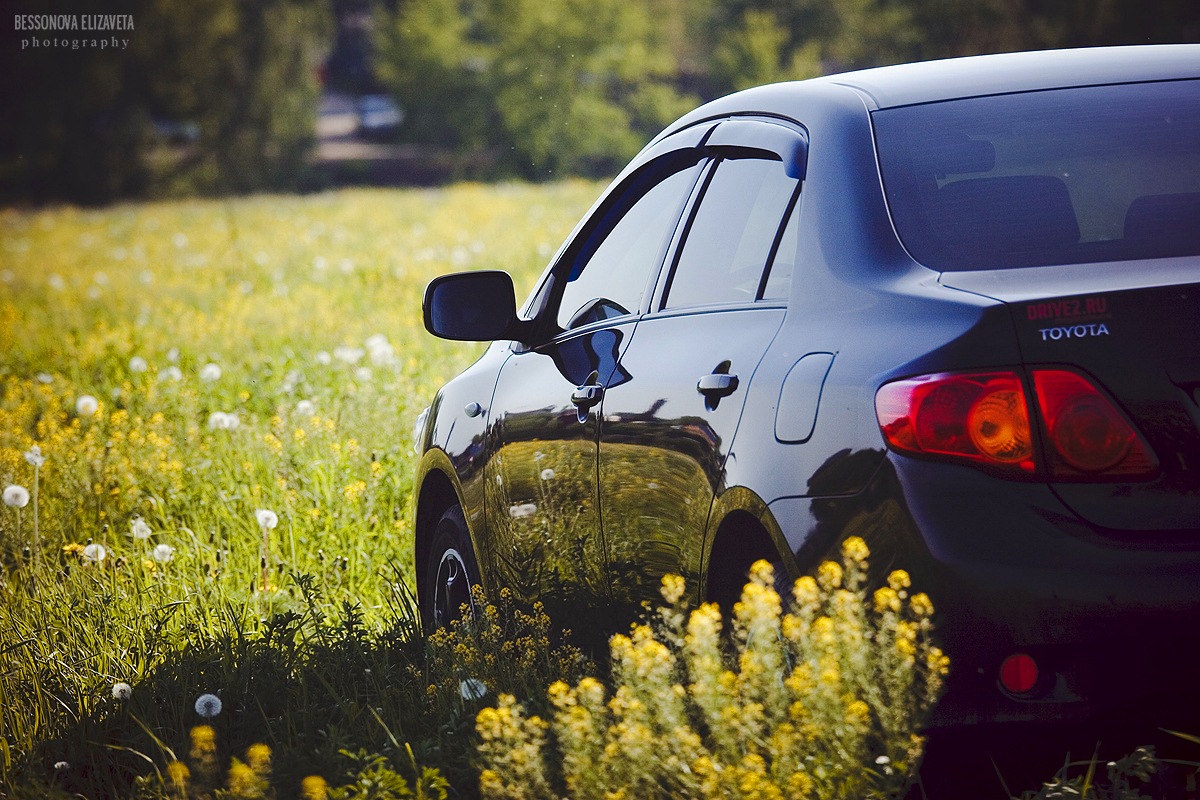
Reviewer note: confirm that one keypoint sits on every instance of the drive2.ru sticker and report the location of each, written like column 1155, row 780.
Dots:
column 1070, row 318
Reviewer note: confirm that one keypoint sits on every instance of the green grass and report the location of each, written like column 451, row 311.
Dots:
column 309, row 309
column 309, row 306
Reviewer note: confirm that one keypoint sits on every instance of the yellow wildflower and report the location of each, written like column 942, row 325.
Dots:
column 178, row 774
column 204, row 739
column 922, row 606
column 673, row 587
column 259, row 757
column 314, row 787
column 886, row 599
column 829, row 575
column 806, row 591
column 855, row 549
column 899, row 580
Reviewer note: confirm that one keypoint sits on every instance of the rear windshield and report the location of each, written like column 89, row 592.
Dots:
column 1100, row 173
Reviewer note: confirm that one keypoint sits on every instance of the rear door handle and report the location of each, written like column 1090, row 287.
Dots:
column 718, row 384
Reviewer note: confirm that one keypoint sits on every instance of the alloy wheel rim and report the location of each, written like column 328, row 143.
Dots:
column 452, row 588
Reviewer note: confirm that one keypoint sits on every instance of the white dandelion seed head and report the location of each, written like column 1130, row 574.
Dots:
column 138, row 528
column 34, row 456
column 522, row 510
column 320, row 263
column 306, row 408
column 222, row 421
column 547, row 474
column 61, row 766
column 472, row 689
column 93, row 292
column 173, row 355
column 208, row 705
column 171, row 373
column 138, row 364
column 16, row 496
column 323, row 357
column 346, row 266
column 162, row 553
column 380, row 349
column 881, row 760
column 539, row 455
column 266, row 518
column 350, row 355
column 122, row 691
column 56, row 282
column 94, row 553
column 180, row 240
column 86, row 405
column 362, row 374
column 210, row 372
column 45, row 377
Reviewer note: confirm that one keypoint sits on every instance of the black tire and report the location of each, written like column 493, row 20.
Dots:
column 450, row 572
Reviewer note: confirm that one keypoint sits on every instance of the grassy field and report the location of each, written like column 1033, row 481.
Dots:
column 187, row 371
column 205, row 589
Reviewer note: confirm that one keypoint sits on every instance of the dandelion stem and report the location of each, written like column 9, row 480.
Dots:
column 265, row 532
column 37, row 539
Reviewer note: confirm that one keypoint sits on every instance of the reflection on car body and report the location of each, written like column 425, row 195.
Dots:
column 950, row 307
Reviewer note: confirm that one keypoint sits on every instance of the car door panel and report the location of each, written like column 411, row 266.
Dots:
column 540, row 479
column 664, row 443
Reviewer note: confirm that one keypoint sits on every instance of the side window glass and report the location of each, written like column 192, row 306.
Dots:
column 779, row 276
column 732, row 234
column 620, row 255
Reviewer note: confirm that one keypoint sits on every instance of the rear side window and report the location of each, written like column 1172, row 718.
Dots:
column 1090, row 174
column 732, row 234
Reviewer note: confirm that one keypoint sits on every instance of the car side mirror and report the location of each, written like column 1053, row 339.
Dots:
column 471, row 306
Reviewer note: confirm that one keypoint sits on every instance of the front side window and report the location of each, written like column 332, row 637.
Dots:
column 1064, row 176
column 611, row 269
column 732, row 234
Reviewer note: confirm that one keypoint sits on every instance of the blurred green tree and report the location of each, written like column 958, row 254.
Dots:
column 204, row 96
column 574, row 86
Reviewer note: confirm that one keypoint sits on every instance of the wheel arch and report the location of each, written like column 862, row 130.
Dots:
column 745, row 531
column 437, row 493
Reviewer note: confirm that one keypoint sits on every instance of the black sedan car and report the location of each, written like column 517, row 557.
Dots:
column 950, row 307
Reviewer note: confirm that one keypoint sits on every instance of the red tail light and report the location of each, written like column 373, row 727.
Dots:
column 984, row 418
column 1086, row 433
column 978, row 417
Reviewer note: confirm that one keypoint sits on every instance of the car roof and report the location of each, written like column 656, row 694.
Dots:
column 1002, row 73
column 947, row 79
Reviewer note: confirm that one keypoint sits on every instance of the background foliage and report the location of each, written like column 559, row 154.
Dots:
column 220, row 96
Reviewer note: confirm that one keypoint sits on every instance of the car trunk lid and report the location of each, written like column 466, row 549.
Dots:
column 1133, row 327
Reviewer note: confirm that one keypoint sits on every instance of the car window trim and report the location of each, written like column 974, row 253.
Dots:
column 546, row 320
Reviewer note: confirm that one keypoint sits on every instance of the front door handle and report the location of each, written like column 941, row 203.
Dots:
column 717, row 385
column 587, row 396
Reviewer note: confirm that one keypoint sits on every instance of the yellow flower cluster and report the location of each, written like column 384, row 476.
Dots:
column 806, row 705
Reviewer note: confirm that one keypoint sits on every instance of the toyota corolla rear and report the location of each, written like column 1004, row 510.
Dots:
column 1059, row 496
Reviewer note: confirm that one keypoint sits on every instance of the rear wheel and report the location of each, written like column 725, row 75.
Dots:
column 450, row 572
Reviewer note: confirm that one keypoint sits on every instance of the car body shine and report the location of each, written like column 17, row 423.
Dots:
column 891, row 304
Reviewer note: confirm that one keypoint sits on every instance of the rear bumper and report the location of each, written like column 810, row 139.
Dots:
column 1108, row 620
